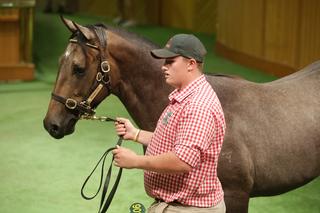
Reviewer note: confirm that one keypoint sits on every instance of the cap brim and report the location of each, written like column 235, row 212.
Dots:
column 163, row 53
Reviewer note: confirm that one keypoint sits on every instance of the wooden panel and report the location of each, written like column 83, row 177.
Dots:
column 195, row 15
column 281, row 31
column 132, row 10
column 138, row 10
column 9, row 14
column 9, row 42
column 309, row 45
column 99, row 7
column 205, row 16
column 277, row 32
column 228, row 26
column 198, row 16
column 252, row 24
column 273, row 68
column 242, row 27
column 177, row 13
column 15, row 43
column 153, row 11
column 16, row 72
column 26, row 34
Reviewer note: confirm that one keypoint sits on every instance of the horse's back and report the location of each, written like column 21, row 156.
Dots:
column 312, row 70
column 272, row 127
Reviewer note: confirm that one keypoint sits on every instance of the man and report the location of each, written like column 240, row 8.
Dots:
column 180, row 164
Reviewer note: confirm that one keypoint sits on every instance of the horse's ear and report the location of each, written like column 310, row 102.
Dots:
column 86, row 32
column 69, row 24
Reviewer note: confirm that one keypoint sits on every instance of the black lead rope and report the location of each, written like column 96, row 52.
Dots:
column 104, row 205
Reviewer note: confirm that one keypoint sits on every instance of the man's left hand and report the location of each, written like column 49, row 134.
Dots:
column 125, row 158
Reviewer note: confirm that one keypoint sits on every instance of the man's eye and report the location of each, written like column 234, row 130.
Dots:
column 79, row 71
column 169, row 61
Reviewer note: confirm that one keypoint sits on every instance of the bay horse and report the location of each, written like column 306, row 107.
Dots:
column 272, row 142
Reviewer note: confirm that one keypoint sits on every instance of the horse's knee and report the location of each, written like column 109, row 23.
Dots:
column 236, row 202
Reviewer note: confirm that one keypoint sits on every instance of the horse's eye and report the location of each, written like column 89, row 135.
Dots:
column 79, row 71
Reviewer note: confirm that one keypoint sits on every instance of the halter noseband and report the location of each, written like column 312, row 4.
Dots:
column 102, row 78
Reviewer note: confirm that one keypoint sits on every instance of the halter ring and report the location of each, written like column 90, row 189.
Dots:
column 71, row 104
column 103, row 64
column 106, row 82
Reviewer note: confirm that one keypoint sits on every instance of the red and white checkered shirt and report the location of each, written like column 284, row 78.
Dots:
column 193, row 127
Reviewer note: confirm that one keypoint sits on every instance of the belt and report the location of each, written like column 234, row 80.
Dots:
column 158, row 200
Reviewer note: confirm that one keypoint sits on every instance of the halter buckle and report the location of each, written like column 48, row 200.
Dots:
column 71, row 103
column 101, row 78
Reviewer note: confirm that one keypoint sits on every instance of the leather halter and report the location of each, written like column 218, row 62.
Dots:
column 102, row 78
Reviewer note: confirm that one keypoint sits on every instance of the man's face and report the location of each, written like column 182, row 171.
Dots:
column 175, row 71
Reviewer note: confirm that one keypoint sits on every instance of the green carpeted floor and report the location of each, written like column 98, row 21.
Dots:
column 39, row 174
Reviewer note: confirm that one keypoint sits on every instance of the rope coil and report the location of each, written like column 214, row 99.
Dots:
column 104, row 204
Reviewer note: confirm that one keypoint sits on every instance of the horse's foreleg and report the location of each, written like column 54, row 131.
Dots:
column 236, row 173
column 236, row 201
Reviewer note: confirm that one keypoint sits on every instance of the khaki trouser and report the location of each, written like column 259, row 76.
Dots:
column 162, row 207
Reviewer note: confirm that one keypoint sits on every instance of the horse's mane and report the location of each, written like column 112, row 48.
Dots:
column 133, row 37
column 137, row 40
column 224, row 75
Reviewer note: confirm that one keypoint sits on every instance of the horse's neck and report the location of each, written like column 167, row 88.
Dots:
column 143, row 94
column 141, row 86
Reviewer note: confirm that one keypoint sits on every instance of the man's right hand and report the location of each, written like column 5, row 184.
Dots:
column 125, row 128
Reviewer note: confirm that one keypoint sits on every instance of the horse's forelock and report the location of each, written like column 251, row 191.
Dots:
column 79, row 37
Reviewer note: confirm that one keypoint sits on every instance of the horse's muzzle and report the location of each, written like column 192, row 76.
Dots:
column 59, row 131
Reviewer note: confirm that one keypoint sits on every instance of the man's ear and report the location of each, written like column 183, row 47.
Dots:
column 192, row 64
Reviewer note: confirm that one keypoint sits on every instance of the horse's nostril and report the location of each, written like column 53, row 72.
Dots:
column 54, row 128
column 58, row 130
column 55, row 131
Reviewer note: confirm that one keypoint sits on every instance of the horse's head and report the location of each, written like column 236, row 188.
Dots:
column 83, row 79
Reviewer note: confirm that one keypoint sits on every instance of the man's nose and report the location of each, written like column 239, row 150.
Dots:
column 164, row 68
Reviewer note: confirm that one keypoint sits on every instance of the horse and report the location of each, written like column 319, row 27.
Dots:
column 272, row 141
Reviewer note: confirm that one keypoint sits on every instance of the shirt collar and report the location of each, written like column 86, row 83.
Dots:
column 180, row 95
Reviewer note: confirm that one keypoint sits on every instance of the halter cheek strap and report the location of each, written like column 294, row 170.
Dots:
column 73, row 104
